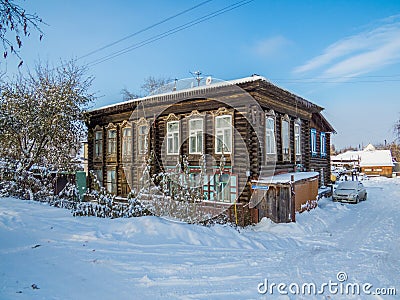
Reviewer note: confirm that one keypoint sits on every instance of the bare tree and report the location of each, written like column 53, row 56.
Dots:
column 127, row 95
column 41, row 116
column 16, row 23
column 152, row 84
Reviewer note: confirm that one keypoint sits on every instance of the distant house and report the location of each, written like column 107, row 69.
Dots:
column 369, row 161
column 349, row 159
column 243, row 129
column 376, row 162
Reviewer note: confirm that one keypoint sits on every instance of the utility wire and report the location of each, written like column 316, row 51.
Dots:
column 143, row 30
column 170, row 32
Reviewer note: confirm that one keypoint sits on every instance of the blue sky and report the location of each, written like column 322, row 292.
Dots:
column 342, row 55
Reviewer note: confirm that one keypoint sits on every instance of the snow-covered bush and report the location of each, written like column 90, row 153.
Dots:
column 104, row 205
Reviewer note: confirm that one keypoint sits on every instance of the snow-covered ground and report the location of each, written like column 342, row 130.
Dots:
column 46, row 253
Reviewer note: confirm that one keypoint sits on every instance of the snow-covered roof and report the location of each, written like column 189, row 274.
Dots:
column 347, row 156
column 285, row 178
column 369, row 157
column 370, row 147
column 192, row 89
column 377, row 158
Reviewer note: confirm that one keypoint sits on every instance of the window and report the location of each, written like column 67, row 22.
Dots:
column 173, row 137
column 323, row 144
column 111, row 182
column 98, row 144
column 143, row 132
column 285, row 140
column 270, row 135
column 112, row 142
column 98, row 176
column 126, row 141
column 223, row 134
column 297, row 139
column 313, row 141
column 196, row 136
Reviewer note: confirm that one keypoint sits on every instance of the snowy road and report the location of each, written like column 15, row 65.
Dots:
column 45, row 253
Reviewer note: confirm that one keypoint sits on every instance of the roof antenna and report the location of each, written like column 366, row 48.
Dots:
column 197, row 76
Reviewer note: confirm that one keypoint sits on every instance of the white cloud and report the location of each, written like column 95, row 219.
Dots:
column 270, row 47
column 359, row 54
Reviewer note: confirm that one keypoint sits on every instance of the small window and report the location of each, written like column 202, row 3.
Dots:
column 98, row 144
column 285, row 140
column 111, row 182
column 323, row 144
column 196, row 136
column 112, row 142
column 173, row 137
column 143, row 132
column 126, row 141
column 297, row 139
column 99, row 176
column 313, row 141
column 270, row 135
column 223, row 134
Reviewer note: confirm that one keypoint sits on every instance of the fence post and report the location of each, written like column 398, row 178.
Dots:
column 292, row 199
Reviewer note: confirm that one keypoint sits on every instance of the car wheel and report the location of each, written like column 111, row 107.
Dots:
column 357, row 199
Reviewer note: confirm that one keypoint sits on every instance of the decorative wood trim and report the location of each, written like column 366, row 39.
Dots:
column 195, row 114
column 270, row 156
column 285, row 156
column 111, row 126
column 222, row 111
column 171, row 117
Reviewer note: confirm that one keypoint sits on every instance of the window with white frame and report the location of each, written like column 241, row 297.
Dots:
column 112, row 141
column 297, row 139
column 223, row 134
column 196, row 136
column 313, row 141
column 173, row 137
column 126, row 141
column 111, row 182
column 285, row 139
column 143, row 133
column 98, row 144
column 323, row 144
column 270, row 135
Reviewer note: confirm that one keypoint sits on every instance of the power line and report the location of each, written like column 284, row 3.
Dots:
column 143, row 30
column 170, row 32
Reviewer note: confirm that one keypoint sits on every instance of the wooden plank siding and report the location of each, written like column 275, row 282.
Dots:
column 248, row 121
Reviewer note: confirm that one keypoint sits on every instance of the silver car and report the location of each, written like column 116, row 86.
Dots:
column 350, row 191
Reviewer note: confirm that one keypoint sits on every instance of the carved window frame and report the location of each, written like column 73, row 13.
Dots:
column 142, row 137
column 313, row 141
column 196, row 116
column 285, row 138
column 297, row 139
column 98, row 143
column 223, row 112
column 112, row 142
column 171, row 135
column 323, row 144
column 270, row 135
column 111, row 183
column 126, row 141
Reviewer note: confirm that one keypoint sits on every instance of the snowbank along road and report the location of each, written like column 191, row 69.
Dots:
column 46, row 253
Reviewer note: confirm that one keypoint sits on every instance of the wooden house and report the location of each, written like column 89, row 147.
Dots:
column 241, row 130
column 370, row 161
